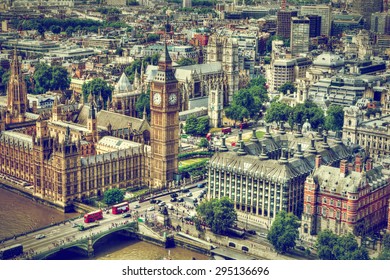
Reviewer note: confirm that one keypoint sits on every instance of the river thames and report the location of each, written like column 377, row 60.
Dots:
column 19, row 214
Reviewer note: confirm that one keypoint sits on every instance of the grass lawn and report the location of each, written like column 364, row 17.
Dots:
column 187, row 162
column 215, row 130
column 259, row 135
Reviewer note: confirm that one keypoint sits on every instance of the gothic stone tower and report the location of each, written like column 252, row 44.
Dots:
column 353, row 116
column 17, row 94
column 164, row 107
column 215, row 105
column 230, row 66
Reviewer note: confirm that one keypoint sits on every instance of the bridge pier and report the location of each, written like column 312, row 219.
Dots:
column 91, row 251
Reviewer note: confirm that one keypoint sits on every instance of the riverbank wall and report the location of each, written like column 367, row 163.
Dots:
column 28, row 193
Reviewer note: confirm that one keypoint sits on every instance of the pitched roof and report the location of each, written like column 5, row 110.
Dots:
column 123, row 85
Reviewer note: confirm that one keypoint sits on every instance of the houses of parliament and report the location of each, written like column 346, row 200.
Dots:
column 76, row 152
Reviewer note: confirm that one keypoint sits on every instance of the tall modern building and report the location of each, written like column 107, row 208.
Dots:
column 325, row 12
column 315, row 25
column 366, row 8
column 187, row 3
column 299, row 39
column 380, row 23
column 283, row 25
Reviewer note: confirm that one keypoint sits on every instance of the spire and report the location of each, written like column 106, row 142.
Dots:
column 67, row 135
column 17, row 103
column 92, row 112
column 144, row 114
column 165, row 59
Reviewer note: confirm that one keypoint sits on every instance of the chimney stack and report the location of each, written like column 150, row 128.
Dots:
column 318, row 161
column 358, row 163
column 343, row 168
column 369, row 164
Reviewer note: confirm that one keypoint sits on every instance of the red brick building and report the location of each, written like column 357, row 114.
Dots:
column 341, row 199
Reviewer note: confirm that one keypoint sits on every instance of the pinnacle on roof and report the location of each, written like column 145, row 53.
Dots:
column 123, row 84
column 165, row 57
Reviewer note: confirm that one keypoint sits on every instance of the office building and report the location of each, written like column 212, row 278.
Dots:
column 283, row 26
column 299, row 38
column 325, row 12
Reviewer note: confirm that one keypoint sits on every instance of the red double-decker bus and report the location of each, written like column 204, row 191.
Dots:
column 93, row 216
column 120, row 208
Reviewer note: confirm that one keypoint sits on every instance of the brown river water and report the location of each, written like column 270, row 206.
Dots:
column 19, row 214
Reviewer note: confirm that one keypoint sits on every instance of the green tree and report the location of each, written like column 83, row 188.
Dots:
column 333, row 247
column 236, row 112
column 96, row 87
column 50, row 78
column 385, row 252
column 143, row 102
column 197, row 126
column 60, row 78
column 278, row 112
column 286, row 42
column 203, row 143
column 334, row 119
column 41, row 30
column 2, row 72
column 113, row 196
column 55, row 29
column 218, row 214
column 69, row 31
column 258, row 81
column 152, row 37
column 287, row 87
column 308, row 110
column 5, row 77
column 248, row 102
column 42, row 78
column 184, row 61
column 284, row 231
column 203, row 126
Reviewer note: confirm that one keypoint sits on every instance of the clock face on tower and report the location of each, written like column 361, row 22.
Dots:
column 157, row 99
column 172, row 99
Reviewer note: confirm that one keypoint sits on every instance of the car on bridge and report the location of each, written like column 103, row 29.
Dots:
column 40, row 236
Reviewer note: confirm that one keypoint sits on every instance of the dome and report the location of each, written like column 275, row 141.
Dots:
column 328, row 60
column 306, row 126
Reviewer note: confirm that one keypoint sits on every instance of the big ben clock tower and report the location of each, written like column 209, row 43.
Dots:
column 164, row 107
